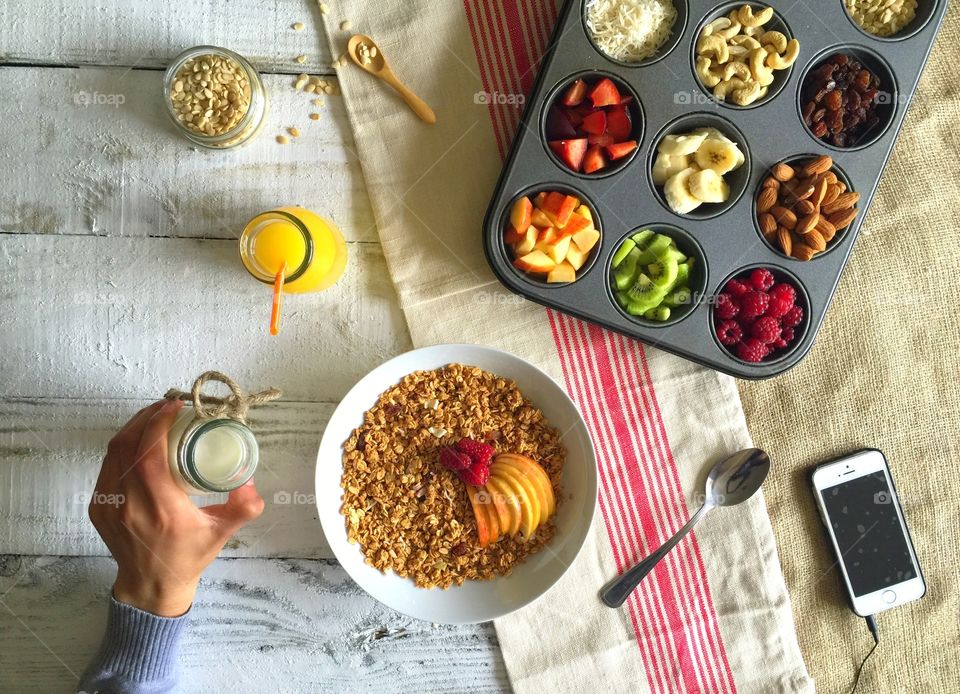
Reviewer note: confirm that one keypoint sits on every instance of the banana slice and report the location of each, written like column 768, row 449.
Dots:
column 708, row 186
column 678, row 194
column 718, row 155
column 667, row 166
column 675, row 145
column 714, row 134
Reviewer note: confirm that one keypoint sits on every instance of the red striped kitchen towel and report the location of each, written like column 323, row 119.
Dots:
column 715, row 615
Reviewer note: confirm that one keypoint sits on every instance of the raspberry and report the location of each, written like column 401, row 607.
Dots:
column 726, row 307
column 479, row 453
column 767, row 330
column 453, row 459
column 729, row 333
column 784, row 291
column 736, row 288
column 792, row 318
column 752, row 350
column 753, row 304
column 781, row 344
column 787, row 335
column 779, row 306
column 476, row 475
column 761, row 279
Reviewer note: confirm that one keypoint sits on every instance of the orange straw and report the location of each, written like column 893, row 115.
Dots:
column 277, row 300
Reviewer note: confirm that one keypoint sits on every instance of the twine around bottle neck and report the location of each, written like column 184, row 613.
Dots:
column 234, row 406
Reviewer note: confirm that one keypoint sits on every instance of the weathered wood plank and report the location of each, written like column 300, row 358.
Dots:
column 144, row 34
column 113, row 317
column 93, row 152
column 257, row 626
column 50, row 454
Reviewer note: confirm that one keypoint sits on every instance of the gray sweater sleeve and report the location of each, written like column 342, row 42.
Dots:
column 138, row 653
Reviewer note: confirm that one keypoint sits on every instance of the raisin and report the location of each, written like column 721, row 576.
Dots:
column 819, row 129
column 834, row 101
column 819, row 115
column 863, row 79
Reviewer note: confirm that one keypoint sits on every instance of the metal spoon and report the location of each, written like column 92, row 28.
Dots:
column 731, row 481
column 364, row 51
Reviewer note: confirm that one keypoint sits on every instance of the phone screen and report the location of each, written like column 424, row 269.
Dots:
column 868, row 531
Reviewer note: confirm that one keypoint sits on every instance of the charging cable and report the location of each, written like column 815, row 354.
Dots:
column 872, row 625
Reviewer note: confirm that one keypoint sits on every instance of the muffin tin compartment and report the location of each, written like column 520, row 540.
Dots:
column 887, row 98
column 780, row 77
column 676, row 33
column 924, row 12
column 737, row 179
column 625, row 200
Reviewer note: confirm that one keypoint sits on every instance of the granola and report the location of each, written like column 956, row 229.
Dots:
column 408, row 513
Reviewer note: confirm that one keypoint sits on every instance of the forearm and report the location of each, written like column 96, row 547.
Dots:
column 137, row 655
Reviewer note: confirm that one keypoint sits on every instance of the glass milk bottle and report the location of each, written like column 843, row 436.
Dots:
column 209, row 456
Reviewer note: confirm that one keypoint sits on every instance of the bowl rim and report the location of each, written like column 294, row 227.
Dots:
column 336, row 535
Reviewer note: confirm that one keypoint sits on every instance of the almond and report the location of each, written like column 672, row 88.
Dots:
column 815, row 241
column 784, row 217
column 771, row 182
column 807, row 224
column 826, row 228
column 766, row 199
column 841, row 220
column 820, row 193
column 842, row 186
column 768, row 225
column 802, row 251
column 785, row 240
column 798, row 192
column 833, row 192
column 783, row 172
column 831, row 177
column 805, row 207
column 844, row 201
column 818, row 166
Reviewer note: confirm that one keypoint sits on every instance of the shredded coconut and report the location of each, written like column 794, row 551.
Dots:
column 630, row 30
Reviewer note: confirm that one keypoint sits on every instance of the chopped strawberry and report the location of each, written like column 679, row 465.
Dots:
column 570, row 151
column 575, row 93
column 605, row 93
column 604, row 140
column 619, row 124
column 595, row 123
column 576, row 114
column 626, row 99
column 559, row 126
column 621, row 149
column 594, row 161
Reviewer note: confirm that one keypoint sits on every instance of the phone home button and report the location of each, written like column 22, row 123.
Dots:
column 888, row 596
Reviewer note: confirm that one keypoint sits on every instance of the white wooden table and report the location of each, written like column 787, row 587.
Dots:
column 120, row 279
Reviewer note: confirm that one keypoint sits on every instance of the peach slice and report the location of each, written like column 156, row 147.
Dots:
column 576, row 257
column 505, row 494
column 526, row 494
column 520, row 214
column 586, row 239
column 585, row 212
column 563, row 272
column 532, row 481
column 540, row 219
column 536, row 262
column 527, row 243
column 486, row 503
column 501, row 510
column 556, row 250
column 535, row 471
column 480, row 513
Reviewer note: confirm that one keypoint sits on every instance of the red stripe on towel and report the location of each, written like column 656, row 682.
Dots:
column 641, row 500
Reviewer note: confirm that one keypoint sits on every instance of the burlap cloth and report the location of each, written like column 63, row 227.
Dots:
column 879, row 376
column 883, row 374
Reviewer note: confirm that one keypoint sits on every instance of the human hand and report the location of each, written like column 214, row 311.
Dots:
column 160, row 540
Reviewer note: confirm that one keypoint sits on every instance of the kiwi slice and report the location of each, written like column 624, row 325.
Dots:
column 676, row 254
column 681, row 296
column 683, row 273
column 643, row 295
column 642, row 238
column 622, row 252
column 660, row 314
column 659, row 244
column 663, row 272
column 623, row 276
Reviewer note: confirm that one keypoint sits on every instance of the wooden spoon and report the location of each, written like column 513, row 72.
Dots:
column 378, row 66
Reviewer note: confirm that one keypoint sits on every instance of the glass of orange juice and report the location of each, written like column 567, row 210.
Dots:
column 311, row 248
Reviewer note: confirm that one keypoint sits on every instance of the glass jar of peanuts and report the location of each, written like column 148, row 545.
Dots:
column 215, row 97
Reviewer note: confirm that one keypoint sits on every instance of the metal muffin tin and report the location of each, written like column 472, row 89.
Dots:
column 624, row 200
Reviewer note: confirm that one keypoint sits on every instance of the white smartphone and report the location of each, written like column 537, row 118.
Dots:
column 858, row 504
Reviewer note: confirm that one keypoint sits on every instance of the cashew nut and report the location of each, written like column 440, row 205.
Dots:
column 726, row 87
column 747, row 41
column 715, row 25
column 782, row 62
column 709, row 78
column 731, row 30
column 738, row 52
column 753, row 31
column 713, row 45
column 746, row 95
column 761, row 73
column 776, row 38
column 737, row 69
column 749, row 19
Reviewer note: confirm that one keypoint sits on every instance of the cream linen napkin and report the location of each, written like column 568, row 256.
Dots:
column 715, row 615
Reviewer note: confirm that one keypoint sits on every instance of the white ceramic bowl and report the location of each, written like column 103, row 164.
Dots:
column 474, row 601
